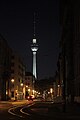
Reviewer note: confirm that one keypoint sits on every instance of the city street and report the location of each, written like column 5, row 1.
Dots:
column 6, row 108
column 30, row 110
column 40, row 60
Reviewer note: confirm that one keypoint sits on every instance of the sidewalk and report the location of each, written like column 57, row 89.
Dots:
column 7, row 104
column 55, row 111
column 72, row 111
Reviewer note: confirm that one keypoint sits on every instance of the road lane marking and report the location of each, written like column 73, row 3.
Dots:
column 16, row 106
column 14, row 113
column 21, row 110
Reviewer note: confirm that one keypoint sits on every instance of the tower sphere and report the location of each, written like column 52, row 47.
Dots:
column 34, row 41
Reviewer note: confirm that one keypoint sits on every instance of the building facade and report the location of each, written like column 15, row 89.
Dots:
column 12, row 73
column 70, row 45
column 29, row 84
column 17, row 90
column 5, row 68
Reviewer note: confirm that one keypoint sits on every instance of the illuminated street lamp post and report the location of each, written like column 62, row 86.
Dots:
column 29, row 91
column 12, row 89
column 21, row 84
column 51, row 91
column 22, row 88
column 58, row 90
column 33, row 91
column 12, row 80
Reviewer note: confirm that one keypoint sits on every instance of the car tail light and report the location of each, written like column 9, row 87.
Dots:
column 28, row 97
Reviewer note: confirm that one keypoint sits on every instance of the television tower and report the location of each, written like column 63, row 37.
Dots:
column 34, row 48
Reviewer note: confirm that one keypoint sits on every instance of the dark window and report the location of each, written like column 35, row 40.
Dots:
column 12, row 56
column 12, row 64
column 79, row 89
column 12, row 71
column 12, row 94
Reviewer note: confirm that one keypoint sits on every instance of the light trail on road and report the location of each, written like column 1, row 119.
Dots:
column 12, row 112
column 20, row 109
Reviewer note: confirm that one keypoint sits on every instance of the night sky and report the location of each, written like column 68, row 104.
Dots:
column 16, row 25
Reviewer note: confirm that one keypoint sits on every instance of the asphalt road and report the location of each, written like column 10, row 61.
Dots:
column 32, row 111
column 37, row 111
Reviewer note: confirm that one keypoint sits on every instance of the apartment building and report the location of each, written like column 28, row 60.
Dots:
column 70, row 44
column 5, row 67
column 12, row 73
column 17, row 77
column 29, row 83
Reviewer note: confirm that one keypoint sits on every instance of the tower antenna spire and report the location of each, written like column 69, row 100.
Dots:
column 34, row 48
column 34, row 24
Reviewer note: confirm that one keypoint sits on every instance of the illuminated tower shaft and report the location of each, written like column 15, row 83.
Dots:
column 34, row 64
column 34, row 48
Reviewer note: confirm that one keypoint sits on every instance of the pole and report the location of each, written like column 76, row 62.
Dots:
column 64, row 79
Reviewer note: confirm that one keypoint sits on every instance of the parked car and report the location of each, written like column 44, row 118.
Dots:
column 39, row 99
column 30, row 97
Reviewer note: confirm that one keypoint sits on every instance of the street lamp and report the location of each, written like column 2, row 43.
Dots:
column 33, row 92
column 26, row 86
column 58, row 90
column 22, row 84
column 29, row 89
column 12, row 80
column 51, row 91
column 12, row 89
